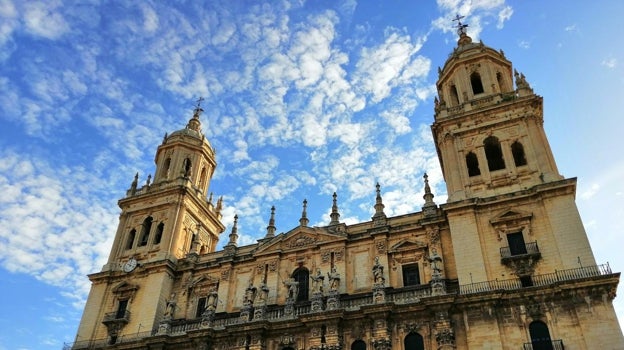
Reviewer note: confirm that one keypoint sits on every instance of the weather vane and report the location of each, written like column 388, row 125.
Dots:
column 199, row 101
column 198, row 108
column 461, row 28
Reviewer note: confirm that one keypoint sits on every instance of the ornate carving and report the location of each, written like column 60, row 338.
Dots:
column 434, row 234
column 302, row 241
column 225, row 274
column 381, row 247
column 445, row 336
column 325, row 256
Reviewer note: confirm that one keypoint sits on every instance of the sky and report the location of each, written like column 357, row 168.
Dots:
column 301, row 99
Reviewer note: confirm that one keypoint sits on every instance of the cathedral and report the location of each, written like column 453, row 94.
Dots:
column 505, row 263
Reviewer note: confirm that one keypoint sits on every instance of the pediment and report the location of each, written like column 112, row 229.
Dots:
column 125, row 287
column 510, row 215
column 297, row 239
column 407, row 244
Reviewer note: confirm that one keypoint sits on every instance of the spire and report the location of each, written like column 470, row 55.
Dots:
column 379, row 207
column 194, row 123
column 462, row 31
column 429, row 208
column 219, row 205
column 234, row 233
column 334, row 214
column 135, row 182
column 271, row 227
column 304, row 214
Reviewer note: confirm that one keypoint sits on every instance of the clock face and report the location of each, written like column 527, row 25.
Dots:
column 130, row 265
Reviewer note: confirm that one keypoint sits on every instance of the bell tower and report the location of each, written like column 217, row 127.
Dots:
column 511, row 214
column 160, row 222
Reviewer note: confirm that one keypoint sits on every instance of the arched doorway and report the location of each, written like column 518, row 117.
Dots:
column 540, row 336
column 414, row 341
column 358, row 345
column 302, row 275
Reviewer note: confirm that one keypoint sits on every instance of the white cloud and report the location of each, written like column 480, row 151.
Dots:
column 610, row 62
column 43, row 19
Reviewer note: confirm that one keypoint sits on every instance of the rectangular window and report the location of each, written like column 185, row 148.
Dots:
column 411, row 275
column 201, row 306
column 526, row 281
column 516, row 243
column 121, row 309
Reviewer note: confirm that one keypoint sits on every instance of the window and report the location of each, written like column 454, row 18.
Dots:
column 121, row 309
column 302, row 276
column 516, row 244
column 411, row 275
column 358, row 345
column 477, row 85
column 540, row 336
column 130, row 241
column 517, row 150
column 323, row 333
column 414, row 341
column 187, row 167
column 201, row 306
column 526, row 281
column 247, row 342
column 472, row 163
column 159, row 231
column 145, row 231
column 202, row 179
column 454, row 96
column 493, row 153
column 165, row 170
column 499, row 80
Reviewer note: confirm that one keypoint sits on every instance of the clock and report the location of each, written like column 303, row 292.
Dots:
column 130, row 265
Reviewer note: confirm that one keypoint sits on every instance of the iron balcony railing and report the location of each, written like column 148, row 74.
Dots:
column 530, row 248
column 538, row 280
column 116, row 316
column 544, row 345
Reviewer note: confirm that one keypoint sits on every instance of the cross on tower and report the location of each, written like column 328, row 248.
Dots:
column 461, row 28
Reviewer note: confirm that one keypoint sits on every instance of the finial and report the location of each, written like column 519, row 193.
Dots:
column 149, row 180
column 379, row 218
column 134, row 184
column 334, row 214
column 234, row 232
column 219, row 204
column 271, row 228
column 194, row 123
column 429, row 208
column 304, row 214
column 462, row 31
column 210, row 198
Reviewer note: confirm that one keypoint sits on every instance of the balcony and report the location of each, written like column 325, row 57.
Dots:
column 538, row 280
column 520, row 252
column 544, row 345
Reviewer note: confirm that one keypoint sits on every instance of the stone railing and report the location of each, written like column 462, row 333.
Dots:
column 547, row 344
column 537, row 280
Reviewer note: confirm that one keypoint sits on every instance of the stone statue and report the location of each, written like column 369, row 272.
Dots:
column 250, row 294
column 293, row 288
column 213, row 298
column 317, row 281
column 263, row 294
column 378, row 273
column 334, row 279
column 171, row 305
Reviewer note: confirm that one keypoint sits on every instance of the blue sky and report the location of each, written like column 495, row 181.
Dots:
column 301, row 99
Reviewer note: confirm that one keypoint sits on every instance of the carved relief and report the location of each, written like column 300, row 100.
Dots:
column 302, row 241
column 225, row 274
column 381, row 247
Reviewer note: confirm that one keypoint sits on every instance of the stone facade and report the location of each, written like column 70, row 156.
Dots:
column 468, row 274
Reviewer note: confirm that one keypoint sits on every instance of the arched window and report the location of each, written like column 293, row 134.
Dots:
column 518, row 154
column 499, row 80
column 159, row 231
column 131, row 237
column 187, row 167
column 202, row 179
column 454, row 96
column 477, row 85
column 145, row 231
column 414, row 341
column 164, row 173
column 540, row 336
column 323, row 334
column 358, row 345
column 493, row 153
column 302, row 275
column 247, row 342
column 472, row 163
